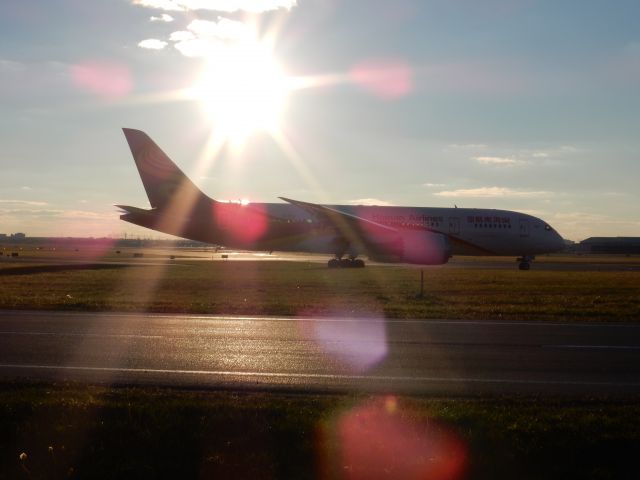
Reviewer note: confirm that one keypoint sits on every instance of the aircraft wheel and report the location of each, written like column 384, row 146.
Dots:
column 333, row 263
column 357, row 263
column 524, row 266
column 346, row 263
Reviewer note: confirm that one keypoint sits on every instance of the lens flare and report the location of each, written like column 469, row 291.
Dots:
column 107, row 79
column 357, row 344
column 243, row 223
column 387, row 79
column 384, row 439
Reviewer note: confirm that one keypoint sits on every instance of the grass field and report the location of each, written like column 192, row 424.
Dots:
column 76, row 431
column 191, row 285
column 71, row 431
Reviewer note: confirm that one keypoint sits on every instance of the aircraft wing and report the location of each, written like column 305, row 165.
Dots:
column 363, row 234
column 337, row 216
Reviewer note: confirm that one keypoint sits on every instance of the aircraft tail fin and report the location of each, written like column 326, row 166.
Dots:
column 163, row 181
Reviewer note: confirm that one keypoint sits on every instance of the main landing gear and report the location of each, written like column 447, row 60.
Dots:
column 525, row 262
column 345, row 255
column 345, row 263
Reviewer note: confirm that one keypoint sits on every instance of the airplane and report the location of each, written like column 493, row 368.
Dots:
column 414, row 235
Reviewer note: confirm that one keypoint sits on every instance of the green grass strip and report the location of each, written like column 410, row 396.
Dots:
column 101, row 432
column 299, row 288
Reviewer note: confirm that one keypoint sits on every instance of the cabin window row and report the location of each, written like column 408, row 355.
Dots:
column 491, row 225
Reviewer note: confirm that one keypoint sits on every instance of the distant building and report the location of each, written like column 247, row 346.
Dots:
column 623, row 245
column 18, row 235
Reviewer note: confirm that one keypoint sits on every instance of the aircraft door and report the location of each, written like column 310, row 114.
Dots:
column 524, row 227
column 454, row 225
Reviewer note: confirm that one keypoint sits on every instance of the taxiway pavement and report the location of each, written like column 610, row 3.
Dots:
column 435, row 357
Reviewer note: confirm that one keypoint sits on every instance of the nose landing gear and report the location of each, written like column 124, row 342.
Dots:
column 525, row 262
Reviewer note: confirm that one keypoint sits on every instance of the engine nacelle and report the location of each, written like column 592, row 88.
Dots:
column 425, row 248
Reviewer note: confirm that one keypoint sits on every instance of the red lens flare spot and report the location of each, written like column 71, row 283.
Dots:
column 383, row 439
column 106, row 79
column 242, row 224
column 387, row 79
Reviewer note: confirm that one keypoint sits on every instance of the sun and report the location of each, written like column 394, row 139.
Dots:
column 243, row 89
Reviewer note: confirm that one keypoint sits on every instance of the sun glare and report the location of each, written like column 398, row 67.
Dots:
column 243, row 90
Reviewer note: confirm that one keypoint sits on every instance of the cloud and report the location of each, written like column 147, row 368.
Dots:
column 181, row 36
column 10, row 65
column 433, row 185
column 590, row 218
column 22, row 202
column 513, row 154
column 86, row 214
column 203, row 37
column 30, row 212
column 370, row 201
column 194, row 47
column 577, row 225
column 60, row 222
column 57, row 213
column 501, row 161
column 171, row 5
column 152, row 44
column 165, row 17
column 569, row 149
column 223, row 29
column 228, row 6
column 489, row 192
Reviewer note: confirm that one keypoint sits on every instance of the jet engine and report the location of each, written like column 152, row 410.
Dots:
column 425, row 248
column 412, row 246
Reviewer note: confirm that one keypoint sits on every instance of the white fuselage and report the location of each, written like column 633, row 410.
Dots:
column 471, row 231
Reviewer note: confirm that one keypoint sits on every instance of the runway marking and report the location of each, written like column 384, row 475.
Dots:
column 337, row 342
column 425, row 321
column 100, row 335
column 332, row 342
column 324, row 376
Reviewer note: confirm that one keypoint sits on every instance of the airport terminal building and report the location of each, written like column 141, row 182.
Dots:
column 621, row 245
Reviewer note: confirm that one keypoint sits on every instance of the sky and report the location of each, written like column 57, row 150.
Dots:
column 526, row 105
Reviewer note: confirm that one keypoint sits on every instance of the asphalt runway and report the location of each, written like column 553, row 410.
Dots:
column 461, row 358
